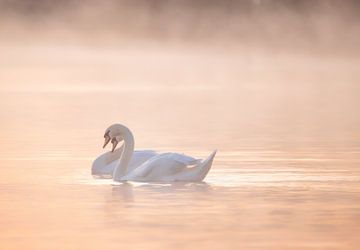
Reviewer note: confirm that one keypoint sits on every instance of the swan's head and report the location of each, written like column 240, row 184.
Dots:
column 113, row 134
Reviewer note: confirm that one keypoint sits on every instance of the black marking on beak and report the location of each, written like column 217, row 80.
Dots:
column 107, row 138
column 114, row 143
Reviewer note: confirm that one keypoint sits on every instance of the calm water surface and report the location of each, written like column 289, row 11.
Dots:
column 286, row 175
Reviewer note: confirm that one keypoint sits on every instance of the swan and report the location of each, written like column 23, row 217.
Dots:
column 104, row 165
column 147, row 165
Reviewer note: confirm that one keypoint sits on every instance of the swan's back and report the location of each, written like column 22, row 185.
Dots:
column 171, row 167
column 160, row 166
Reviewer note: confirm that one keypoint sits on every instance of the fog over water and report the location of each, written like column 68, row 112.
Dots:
column 312, row 25
column 273, row 85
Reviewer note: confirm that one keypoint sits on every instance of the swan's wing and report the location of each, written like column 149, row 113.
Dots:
column 154, row 167
column 161, row 165
column 196, row 173
column 139, row 157
column 182, row 158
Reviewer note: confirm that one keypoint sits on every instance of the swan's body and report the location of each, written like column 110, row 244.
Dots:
column 170, row 167
column 130, row 165
column 105, row 164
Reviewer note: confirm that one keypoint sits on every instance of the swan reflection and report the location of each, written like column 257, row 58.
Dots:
column 134, row 191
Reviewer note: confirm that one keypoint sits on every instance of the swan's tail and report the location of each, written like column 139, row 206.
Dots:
column 204, row 166
column 197, row 172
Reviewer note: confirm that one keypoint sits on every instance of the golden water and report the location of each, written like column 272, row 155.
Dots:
column 286, row 175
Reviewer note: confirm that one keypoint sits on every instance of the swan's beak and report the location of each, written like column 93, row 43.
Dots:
column 114, row 143
column 107, row 140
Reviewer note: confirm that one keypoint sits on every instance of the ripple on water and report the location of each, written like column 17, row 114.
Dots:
column 241, row 178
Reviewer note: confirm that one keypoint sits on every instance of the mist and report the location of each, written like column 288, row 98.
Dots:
column 330, row 27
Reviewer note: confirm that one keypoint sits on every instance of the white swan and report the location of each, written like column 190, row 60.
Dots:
column 147, row 165
column 105, row 164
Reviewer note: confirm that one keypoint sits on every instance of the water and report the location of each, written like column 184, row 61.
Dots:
column 286, row 175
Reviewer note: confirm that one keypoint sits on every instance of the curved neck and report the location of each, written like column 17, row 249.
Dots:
column 128, row 149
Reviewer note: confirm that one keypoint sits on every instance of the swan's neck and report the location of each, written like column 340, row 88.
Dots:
column 128, row 149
